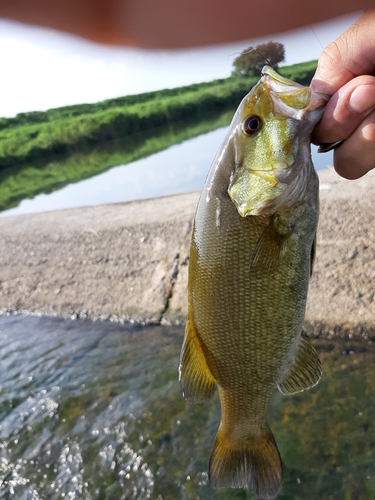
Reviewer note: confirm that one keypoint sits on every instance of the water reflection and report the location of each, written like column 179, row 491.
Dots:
column 94, row 411
column 178, row 169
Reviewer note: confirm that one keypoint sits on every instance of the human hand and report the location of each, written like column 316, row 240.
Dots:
column 345, row 71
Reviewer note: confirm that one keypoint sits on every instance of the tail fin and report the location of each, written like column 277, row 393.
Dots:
column 255, row 465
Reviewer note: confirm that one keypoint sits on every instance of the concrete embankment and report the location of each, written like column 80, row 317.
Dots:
column 130, row 260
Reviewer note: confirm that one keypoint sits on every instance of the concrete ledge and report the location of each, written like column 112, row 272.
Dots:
column 130, row 260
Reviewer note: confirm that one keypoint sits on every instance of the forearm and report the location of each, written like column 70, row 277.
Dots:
column 174, row 23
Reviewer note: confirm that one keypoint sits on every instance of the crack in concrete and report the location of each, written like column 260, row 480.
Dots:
column 174, row 276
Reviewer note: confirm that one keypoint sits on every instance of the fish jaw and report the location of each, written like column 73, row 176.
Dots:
column 271, row 162
column 294, row 100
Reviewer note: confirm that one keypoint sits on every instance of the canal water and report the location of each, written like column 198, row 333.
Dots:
column 94, row 411
column 178, row 169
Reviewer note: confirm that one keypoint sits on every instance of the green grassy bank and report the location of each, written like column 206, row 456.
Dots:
column 27, row 180
column 43, row 151
column 33, row 136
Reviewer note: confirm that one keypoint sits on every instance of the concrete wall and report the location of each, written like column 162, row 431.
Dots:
column 130, row 260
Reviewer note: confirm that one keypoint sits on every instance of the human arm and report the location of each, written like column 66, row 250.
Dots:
column 174, row 23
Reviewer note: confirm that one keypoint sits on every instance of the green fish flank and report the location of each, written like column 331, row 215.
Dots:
column 251, row 259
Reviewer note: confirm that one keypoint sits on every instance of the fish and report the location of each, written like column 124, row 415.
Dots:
column 251, row 259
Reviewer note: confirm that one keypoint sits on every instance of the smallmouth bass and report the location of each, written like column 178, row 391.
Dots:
column 251, row 259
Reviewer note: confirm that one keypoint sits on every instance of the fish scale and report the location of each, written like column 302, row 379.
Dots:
column 250, row 264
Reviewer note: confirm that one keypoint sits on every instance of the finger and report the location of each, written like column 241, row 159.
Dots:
column 346, row 110
column 356, row 156
column 351, row 55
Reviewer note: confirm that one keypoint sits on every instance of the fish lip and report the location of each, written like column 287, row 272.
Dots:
column 278, row 86
column 278, row 83
column 318, row 101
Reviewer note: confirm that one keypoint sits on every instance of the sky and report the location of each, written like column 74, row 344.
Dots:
column 43, row 69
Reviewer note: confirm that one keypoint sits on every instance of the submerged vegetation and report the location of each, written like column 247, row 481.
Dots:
column 100, row 415
column 42, row 151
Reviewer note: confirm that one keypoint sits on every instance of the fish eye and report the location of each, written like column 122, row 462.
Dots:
column 251, row 125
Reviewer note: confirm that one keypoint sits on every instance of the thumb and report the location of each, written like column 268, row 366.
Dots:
column 351, row 55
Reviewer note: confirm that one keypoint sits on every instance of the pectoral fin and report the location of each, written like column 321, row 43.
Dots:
column 305, row 372
column 269, row 249
column 197, row 381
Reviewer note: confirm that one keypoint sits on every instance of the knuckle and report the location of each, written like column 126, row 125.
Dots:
column 332, row 54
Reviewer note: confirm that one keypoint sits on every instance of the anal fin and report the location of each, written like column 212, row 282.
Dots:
column 197, row 381
column 305, row 371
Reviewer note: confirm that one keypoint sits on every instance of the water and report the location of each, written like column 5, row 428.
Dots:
column 178, row 169
column 94, row 411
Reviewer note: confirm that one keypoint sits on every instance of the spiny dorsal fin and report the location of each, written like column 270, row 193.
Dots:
column 254, row 463
column 197, row 381
column 305, row 372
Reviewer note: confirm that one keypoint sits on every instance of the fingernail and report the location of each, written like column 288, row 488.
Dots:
column 359, row 101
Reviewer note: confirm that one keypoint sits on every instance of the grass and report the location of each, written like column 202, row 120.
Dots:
column 33, row 136
column 26, row 181
column 42, row 151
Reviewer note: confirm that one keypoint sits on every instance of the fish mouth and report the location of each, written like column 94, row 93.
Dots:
column 291, row 98
column 292, row 94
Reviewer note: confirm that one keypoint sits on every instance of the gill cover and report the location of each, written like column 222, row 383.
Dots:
column 266, row 155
